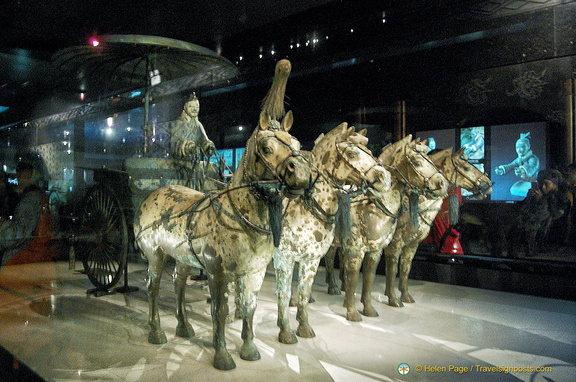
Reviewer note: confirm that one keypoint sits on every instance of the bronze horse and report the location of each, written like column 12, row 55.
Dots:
column 341, row 165
column 374, row 217
column 231, row 233
column 402, row 248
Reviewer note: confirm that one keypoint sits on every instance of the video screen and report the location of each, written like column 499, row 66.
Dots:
column 438, row 139
column 472, row 140
column 228, row 156
column 238, row 153
column 518, row 152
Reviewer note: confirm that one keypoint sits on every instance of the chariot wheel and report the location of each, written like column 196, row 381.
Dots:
column 102, row 240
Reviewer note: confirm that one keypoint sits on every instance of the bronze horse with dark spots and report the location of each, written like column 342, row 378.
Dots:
column 342, row 165
column 402, row 248
column 231, row 234
column 374, row 217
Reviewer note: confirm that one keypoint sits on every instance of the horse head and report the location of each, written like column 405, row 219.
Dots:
column 461, row 173
column 414, row 168
column 342, row 155
column 273, row 158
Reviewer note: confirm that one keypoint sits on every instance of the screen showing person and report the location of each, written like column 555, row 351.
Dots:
column 472, row 140
column 518, row 152
column 438, row 138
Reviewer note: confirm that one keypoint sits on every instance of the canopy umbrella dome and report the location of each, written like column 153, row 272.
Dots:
column 126, row 62
column 121, row 63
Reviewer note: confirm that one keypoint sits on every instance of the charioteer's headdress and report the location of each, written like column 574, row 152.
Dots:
column 525, row 138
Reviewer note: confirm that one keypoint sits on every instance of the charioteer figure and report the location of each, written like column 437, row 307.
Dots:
column 188, row 140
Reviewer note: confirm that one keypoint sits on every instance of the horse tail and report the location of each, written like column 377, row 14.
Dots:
column 273, row 103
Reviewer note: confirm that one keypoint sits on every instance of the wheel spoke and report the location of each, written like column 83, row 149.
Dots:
column 104, row 229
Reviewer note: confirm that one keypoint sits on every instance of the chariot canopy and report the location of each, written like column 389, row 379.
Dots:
column 122, row 63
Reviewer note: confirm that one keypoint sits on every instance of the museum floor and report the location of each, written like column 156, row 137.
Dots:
column 50, row 324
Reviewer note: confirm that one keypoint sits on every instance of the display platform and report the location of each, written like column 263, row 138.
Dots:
column 451, row 333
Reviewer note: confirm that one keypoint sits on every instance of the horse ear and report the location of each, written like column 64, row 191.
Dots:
column 460, row 151
column 441, row 155
column 404, row 141
column 385, row 154
column 287, row 121
column 264, row 121
column 363, row 132
column 338, row 130
column 350, row 131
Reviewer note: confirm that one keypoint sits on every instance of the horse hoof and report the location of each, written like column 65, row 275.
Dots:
column 249, row 353
column 305, row 332
column 185, row 331
column 311, row 300
column 334, row 291
column 395, row 303
column 370, row 312
column 224, row 362
column 408, row 299
column 157, row 337
column 287, row 337
column 353, row 316
column 293, row 302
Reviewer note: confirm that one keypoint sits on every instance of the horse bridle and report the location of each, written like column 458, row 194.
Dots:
column 477, row 188
column 274, row 170
column 360, row 175
column 407, row 179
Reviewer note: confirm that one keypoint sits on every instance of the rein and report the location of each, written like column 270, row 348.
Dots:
column 414, row 189
column 477, row 189
column 360, row 174
column 343, row 192
column 274, row 171
column 375, row 198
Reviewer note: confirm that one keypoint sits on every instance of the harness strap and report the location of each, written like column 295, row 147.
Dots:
column 382, row 207
column 317, row 210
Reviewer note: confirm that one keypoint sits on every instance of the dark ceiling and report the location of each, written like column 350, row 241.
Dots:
column 32, row 30
column 50, row 24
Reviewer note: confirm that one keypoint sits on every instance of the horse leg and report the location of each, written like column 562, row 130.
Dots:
column 405, row 266
column 237, row 303
column 330, row 278
column 391, row 254
column 307, row 273
column 352, row 264
column 155, row 269
column 219, row 307
column 284, row 266
column 249, row 285
column 183, row 329
column 341, row 274
column 293, row 298
column 369, row 274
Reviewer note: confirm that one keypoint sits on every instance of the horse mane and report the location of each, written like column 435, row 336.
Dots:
column 246, row 161
column 321, row 155
column 389, row 153
column 439, row 157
